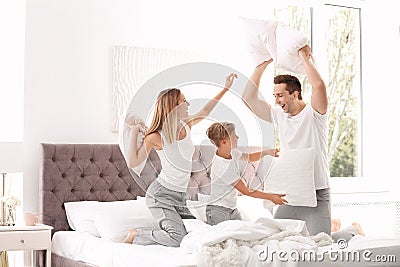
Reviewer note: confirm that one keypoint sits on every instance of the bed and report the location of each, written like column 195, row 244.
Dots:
column 98, row 172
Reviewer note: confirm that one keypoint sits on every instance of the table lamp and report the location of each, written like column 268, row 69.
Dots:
column 11, row 161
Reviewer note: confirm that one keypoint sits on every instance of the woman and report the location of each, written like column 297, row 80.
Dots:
column 169, row 135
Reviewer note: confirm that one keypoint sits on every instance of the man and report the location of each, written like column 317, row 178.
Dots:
column 300, row 125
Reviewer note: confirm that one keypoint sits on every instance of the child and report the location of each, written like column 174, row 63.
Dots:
column 225, row 175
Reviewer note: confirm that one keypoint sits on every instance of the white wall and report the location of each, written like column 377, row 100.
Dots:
column 12, row 48
column 68, row 75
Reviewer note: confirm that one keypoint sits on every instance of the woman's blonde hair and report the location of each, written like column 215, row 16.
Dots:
column 220, row 130
column 165, row 114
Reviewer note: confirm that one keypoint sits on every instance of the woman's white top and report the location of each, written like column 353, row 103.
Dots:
column 308, row 129
column 176, row 162
column 225, row 173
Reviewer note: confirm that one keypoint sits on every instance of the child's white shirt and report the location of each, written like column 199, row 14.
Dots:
column 224, row 175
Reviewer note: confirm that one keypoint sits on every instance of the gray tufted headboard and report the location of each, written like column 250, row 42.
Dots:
column 78, row 172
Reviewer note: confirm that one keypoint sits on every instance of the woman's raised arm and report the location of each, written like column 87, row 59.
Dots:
column 210, row 105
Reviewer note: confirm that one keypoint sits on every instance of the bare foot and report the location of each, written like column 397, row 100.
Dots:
column 358, row 227
column 130, row 237
column 336, row 224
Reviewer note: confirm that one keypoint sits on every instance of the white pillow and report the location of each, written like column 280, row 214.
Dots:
column 251, row 208
column 80, row 216
column 125, row 135
column 268, row 39
column 198, row 209
column 203, row 198
column 288, row 43
column 115, row 219
column 260, row 39
column 292, row 173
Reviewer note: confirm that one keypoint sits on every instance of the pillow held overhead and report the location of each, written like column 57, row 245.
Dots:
column 132, row 119
column 268, row 39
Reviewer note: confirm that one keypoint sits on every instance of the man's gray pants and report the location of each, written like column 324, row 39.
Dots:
column 346, row 234
column 318, row 219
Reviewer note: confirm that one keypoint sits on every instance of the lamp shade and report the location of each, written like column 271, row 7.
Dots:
column 11, row 157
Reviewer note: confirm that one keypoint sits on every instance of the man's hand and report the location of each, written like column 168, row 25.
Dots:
column 305, row 52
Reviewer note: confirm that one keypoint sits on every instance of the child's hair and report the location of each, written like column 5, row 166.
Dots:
column 220, row 130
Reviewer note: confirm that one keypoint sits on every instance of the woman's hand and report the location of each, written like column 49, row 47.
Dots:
column 210, row 105
column 229, row 80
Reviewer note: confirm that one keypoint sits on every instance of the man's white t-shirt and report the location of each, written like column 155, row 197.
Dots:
column 308, row 129
column 224, row 175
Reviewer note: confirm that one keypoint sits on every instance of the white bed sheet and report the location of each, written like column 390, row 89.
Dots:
column 90, row 249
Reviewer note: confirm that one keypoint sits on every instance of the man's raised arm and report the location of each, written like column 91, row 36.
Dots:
column 250, row 95
column 319, row 98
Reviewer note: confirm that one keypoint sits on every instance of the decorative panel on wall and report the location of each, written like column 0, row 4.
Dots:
column 133, row 66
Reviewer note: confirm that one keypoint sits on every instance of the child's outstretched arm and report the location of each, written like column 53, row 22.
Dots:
column 256, row 156
column 276, row 198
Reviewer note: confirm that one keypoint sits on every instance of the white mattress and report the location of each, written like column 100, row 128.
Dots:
column 99, row 252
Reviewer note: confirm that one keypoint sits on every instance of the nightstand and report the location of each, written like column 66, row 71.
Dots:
column 36, row 237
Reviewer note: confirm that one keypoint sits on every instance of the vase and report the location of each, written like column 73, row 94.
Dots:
column 11, row 215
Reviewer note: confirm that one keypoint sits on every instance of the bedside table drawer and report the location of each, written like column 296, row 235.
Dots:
column 24, row 240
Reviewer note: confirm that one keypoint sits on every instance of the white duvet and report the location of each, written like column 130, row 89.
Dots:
column 246, row 243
